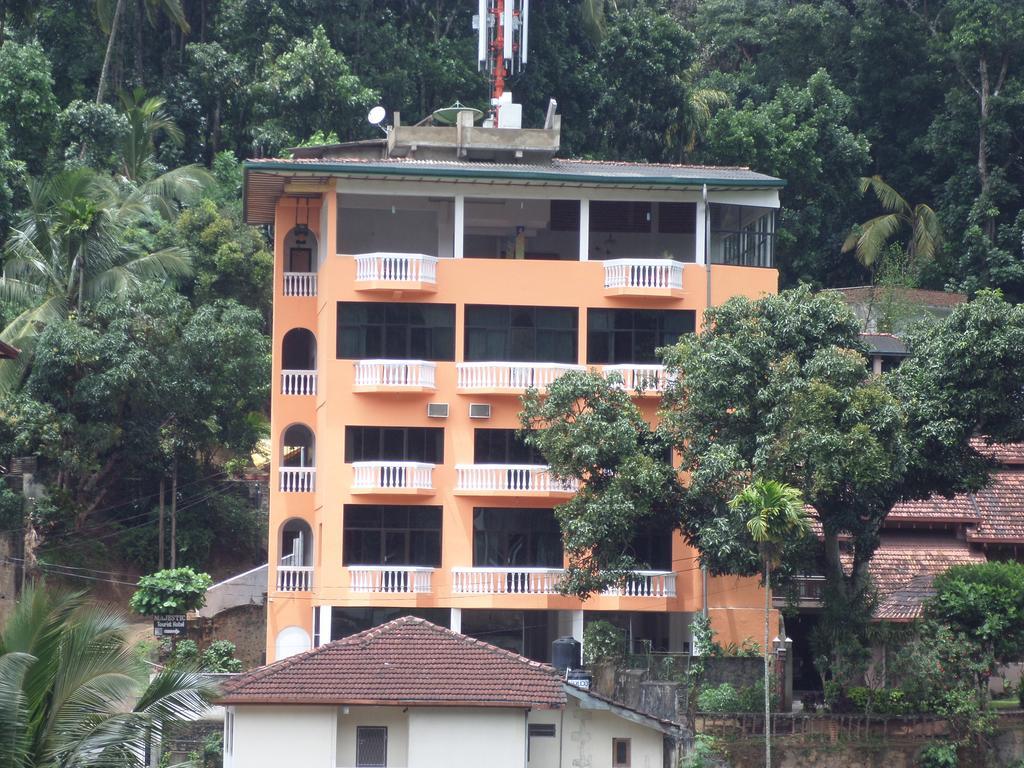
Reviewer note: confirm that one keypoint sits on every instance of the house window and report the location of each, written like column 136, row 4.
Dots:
column 528, row 538
column 392, row 535
column 633, row 335
column 620, row 753
column 502, row 446
column 619, row 216
column 396, row 331
column 371, row 746
column 521, row 334
column 424, row 444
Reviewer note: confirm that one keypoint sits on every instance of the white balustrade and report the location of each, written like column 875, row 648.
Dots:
column 389, row 578
column 298, row 479
column 298, row 382
column 647, row 378
column 645, row 584
column 510, row 478
column 396, row 268
column 300, row 283
column 511, row 375
column 506, row 581
column 294, row 578
column 643, row 273
column 395, row 373
column 392, row 475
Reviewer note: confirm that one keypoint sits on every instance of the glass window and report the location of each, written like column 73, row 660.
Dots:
column 502, row 446
column 371, row 746
column 424, row 444
column 392, row 535
column 396, row 331
column 521, row 334
column 633, row 335
column 620, row 753
column 620, row 216
column 742, row 235
column 529, row 538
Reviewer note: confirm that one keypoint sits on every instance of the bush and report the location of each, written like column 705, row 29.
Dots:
column 171, row 592
column 880, row 701
column 727, row 699
column 603, row 641
column 219, row 656
column 938, row 755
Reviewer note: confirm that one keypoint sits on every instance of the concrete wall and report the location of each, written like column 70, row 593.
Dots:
column 244, row 625
column 467, row 738
column 272, row 737
column 587, row 739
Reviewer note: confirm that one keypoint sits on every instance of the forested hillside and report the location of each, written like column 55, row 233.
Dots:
column 141, row 301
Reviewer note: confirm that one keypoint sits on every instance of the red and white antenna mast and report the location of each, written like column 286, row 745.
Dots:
column 502, row 28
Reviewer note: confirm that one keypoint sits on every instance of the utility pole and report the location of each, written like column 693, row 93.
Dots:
column 161, row 536
column 174, row 513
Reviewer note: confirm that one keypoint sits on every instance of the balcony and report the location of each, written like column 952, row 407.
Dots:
column 510, row 480
column 644, row 584
column 394, row 376
column 509, row 378
column 506, row 581
column 809, row 592
column 298, row 382
column 297, row 480
column 643, row 277
column 401, row 477
column 294, row 578
column 396, row 272
column 641, row 379
column 300, row 283
column 390, row 579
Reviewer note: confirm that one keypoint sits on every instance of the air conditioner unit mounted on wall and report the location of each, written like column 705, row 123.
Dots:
column 437, row 410
column 479, row 411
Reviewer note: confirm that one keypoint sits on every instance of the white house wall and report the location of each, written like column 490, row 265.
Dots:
column 393, row 718
column 278, row 736
column 467, row 738
column 585, row 738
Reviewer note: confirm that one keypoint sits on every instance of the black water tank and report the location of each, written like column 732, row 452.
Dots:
column 565, row 653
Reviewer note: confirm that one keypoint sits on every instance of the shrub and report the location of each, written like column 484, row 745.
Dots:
column 723, row 698
column 938, row 755
column 603, row 641
column 171, row 592
column 219, row 656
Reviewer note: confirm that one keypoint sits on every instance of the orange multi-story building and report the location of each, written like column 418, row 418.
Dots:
column 422, row 283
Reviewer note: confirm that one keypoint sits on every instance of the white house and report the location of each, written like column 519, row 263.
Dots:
column 412, row 694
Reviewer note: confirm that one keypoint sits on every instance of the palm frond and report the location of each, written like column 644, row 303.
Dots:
column 890, row 199
column 874, row 235
column 927, row 233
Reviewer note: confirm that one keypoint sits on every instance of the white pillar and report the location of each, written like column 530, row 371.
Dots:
column 584, row 229
column 701, row 232
column 577, row 625
column 325, row 624
column 455, row 622
column 460, row 220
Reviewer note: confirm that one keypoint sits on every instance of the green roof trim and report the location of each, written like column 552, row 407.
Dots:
column 472, row 173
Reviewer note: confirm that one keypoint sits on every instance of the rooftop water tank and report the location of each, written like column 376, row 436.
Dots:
column 565, row 654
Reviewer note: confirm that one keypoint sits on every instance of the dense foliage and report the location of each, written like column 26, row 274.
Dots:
column 172, row 591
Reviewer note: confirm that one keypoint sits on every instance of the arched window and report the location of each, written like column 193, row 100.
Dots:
column 296, row 543
column 298, row 350
column 300, row 250
column 290, row 641
column 298, row 448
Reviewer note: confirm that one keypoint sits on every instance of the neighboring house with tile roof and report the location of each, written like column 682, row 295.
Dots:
column 410, row 693
column 892, row 309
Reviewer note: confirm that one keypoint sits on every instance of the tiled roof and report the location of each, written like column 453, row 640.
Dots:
column 864, row 294
column 906, row 602
column 1008, row 454
column 407, row 662
column 884, row 343
column 1001, row 505
column 936, row 509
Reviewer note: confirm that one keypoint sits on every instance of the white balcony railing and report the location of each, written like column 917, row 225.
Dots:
column 510, row 478
column 647, row 378
column 396, row 268
column 298, row 479
column 506, row 581
column 392, row 475
column 511, row 375
column 808, row 591
column 395, row 373
column 645, row 584
column 643, row 274
column 300, row 283
column 294, row 578
column 298, row 382
column 393, row 579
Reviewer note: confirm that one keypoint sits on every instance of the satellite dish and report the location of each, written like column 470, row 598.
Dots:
column 376, row 116
column 449, row 115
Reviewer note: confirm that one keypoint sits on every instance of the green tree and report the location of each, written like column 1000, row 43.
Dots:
column 91, row 135
column 868, row 240
column 775, row 513
column 171, row 591
column 11, row 174
column 71, row 248
column 111, row 14
column 147, row 120
column 75, row 691
column 27, row 104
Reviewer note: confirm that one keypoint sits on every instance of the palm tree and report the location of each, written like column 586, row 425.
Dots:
column 110, row 13
column 75, row 691
column 147, row 119
column 71, row 248
column 774, row 514
column 868, row 240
